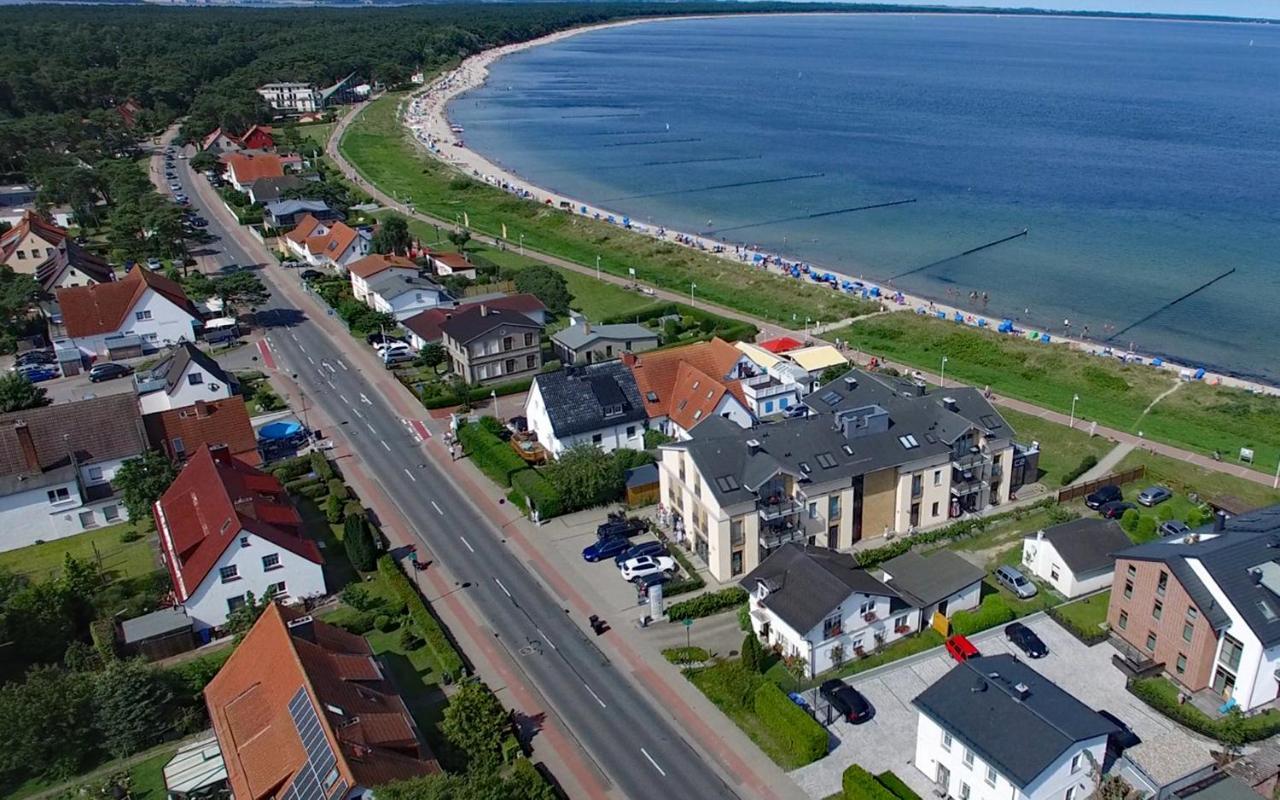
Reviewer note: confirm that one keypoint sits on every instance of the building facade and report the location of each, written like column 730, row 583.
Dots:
column 597, row 404
column 292, row 97
column 584, row 343
column 492, row 346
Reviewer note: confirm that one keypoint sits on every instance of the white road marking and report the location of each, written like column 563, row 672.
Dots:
column 293, row 336
column 508, row 594
column 364, row 399
column 301, row 346
column 371, row 430
column 356, row 411
column 331, row 384
column 410, row 474
column 344, row 399
column 651, row 761
column 344, row 366
column 468, row 544
column 437, row 508
column 596, row 696
column 546, row 638
column 312, row 360
column 384, row 444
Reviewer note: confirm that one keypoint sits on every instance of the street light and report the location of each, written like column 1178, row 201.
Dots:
column 597, row 267
column 522, row 244
column 692, row 286
column 1074, row 399
column 942, row 377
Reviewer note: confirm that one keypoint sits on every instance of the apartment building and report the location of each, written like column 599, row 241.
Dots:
column 488, row 345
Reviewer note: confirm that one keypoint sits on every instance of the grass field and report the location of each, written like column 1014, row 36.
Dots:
column 380, row 149
column 1196, row 416
column 1184, row 478
column 123, row 559
column 318, row 133
column 1089, row 612
column 1061, row 448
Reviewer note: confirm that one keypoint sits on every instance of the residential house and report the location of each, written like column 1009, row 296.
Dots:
column 685, row 386
column 291, row 97
column 1076, row 557
column 227, row 529
column 330, row 245
column 780, row 386
column 17, row 198
column 877, row 456
column 940, row 583
column 218, row 141
column 245, row 169
column 181, row 432
column 377, row 265
column 456, row 264
column 584, row 343
column 525, row 303
column 817, row 359
column 992, row 728
column 425, row 326
column 488, row 345
column 598, row 404
column 1207, row 607
column 183, row 377
column 41, row 249
column 268, row 190
column 304, row 709
column 281, row 214
column 57, row 464
column 258, row 137
column 404, row 297
column 139, row 313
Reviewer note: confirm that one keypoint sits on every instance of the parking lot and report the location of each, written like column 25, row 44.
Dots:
column 888, row 741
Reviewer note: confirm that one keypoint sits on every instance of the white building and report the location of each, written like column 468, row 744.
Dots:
column 327, row 245
column 178, row 381
column 1075, row 557
column 227, row 529
column 992, row 728
column 143, row 312
column 405, row 297
column 57, row 464
column 292, row 97
column 377, row 266
column 595, row 404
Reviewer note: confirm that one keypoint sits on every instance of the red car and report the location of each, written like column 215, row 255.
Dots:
column 961, row 649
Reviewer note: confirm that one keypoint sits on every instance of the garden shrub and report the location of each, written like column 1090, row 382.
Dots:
column 858, row 784
column 993, row 611
column 358, row 542
column 358, row 623
column 1146, row 528
column 313, row 492
column 384, row 623
column 321, row 467
column 491, row 455
column 896, row 786
column 704, row 605
column 800, row 733
column 686, row 655
column 291, row 469
column 297, row 485
column 130, row 534
column 534, row 485
column 1129, row 520
column 338, row 489
column 1162, row 695
column 408, row 639
column 1087, row 463
column 333, row 509
column 442, row 650
column 353, row 508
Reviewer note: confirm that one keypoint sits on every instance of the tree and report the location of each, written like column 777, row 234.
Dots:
column 433, row 355
column 244, row 616
column 241, row 288
column 142, row 480
column 392, row 236
column 459, row 238
column 475, row 722
column 585, row 476
column 752, row 653
column 797, row 667
column 832, row 373
column 357, row 539
column 547, row 285
column 18, row 394
column 130, row 700
column 204, row 160
column 19, row 292
column 44, row 732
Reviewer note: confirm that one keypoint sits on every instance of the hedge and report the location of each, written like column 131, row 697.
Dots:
column 297, row 485
column 1087, row 463
column 1087, row 637
column 338, row 489
column 313, row 491
column 1162, row 695
column 321, row 466
column 858, row 784
column 692, row 581
column 476, row 395
column 993, row 611
column 896, row 786
column 545, row 496
column 800, row 734
column 491, row 455
column 292, row 468
column 442, row 650
column 956, row 530
column 704, row 605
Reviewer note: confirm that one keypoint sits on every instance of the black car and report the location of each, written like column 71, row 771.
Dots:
column 1115, row 509
column 373, row 339
column 314, row 275
column 106, row 371
column 1025, row 640
column 846, row 700
column 622, row 527
column 1105, row 494
column 654, row 548
column 35, row 357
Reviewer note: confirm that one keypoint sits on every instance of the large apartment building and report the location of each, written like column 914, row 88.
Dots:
column 876, row 456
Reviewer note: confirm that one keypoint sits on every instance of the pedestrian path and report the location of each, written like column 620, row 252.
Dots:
column 1108, row 463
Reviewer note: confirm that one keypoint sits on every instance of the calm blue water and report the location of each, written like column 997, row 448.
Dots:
column 1144, row 157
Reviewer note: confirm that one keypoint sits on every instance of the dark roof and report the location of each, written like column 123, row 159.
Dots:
column 644, row 475
column 266, row 190
column 472, row 322
column 171, row 369
column 924, row 580
column 89, row 431
column 1087, row 544
column 978, row 702
column 576, row 398
column 1244, row 562
column 576, row 337
column 805, row 583
column 157, row 623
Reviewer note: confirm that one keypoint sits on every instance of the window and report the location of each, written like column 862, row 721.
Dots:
column 735, row 562
column 111, row 513
column 1133, row 571
column 1231, row 652
column 1162, row 583
column 596, row 438
column 1123, row 621
column 934, row 509
column 1071, row 793
column 1151, row 641
column 507, row 343
column 234, row 602
column 991, row 775
column 968, row 758
column 275, row 589
column 229, row 574
column 1053, row 572
column 900, row 622
column 141, row 315
column 831, row 627
column 244, row 541
column 22, row 255
column 917, row 485
column 1181, row 665
column 195, row 379
column 631, row 431
column 833, row 507
column 964, row 791
column 271, row 561
column 530, row 362
column 1188, row 631
column 737, row 533
column 86, row 519
column 867, row 607
column 946, row 741
column 528, row 340
column 179, row 449
column 95, row 473
column 1077, row 761
column 937, row 477
column 1157, row 609
column 1128, row 588
column 813, row 511
column 59, row 495
column 1192, row 614
column 509, row 366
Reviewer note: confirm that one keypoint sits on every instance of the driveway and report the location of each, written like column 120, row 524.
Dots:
column 888, row 741
column 565, row 537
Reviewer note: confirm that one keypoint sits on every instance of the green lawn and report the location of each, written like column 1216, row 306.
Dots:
column 1061, row 448
column 146, row 778
column 338, row 571
column 379, row 147
column 318, row 133
column 1088, row 613
column 123, row 559
column 1197, row 416
column 732, row 689
column 1183, row 477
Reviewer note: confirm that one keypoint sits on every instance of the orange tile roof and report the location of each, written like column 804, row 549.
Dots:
column 684, row 375
column 318, row 239
column 247, row 168
column 374, row 263
column 217, row 422
column 453, row 260
column 104, row 307
column 31, row 222
column 365, row 723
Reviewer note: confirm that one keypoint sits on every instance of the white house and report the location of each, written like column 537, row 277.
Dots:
column 685, row 386
column 595, row 404
column 144, row 311
column 992, row 728
column 178, row 381
column 292, row 97
column 227, row 529
column 57, row 464
column 939, row 583
column 1075, row 557
column 455, row 264
column 328, row 245
column 377, row 266
column 405, row 297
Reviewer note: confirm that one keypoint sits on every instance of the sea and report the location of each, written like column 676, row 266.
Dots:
column 1141, row 158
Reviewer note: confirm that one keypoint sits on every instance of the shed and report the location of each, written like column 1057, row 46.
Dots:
column 642, row 485
column 159, row 634
column 1075, row 557
column 197, row 770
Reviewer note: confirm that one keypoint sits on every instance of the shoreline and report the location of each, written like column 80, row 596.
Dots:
column 424, row 114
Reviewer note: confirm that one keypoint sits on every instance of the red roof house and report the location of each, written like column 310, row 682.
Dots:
column 143, row 303
column 245, row 168
column 684, row 386
column 180, row 432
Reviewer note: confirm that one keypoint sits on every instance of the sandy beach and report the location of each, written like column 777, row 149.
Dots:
column 425, row 115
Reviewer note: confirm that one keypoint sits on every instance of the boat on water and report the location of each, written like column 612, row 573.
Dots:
column 456, row 128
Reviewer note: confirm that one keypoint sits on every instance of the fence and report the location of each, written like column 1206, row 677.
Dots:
column 1081, row 489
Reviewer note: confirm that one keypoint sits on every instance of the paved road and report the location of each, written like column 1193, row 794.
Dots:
column 629, row 738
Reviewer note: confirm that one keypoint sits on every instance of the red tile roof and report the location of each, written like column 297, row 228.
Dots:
column 365, row 723
column 220, row 422
column 374, row 263
column 104, row 307
column 31, row 222
column 453, row 260
column 686, row 380
column 321, row 239
column 782, row 344
column 214, row 499
column 246, row 168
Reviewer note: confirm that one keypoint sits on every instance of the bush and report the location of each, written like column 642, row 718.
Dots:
column 385, row 623
column 799, row 733
column 1145, row 530
column 103, row 634
column 491, row 455
column 993, row 611
column 541, row 492
column 358, row 543
column 896, row 786
column 858, row 784
column 297, row 485
column 130, row 534
column 704, row 605
column 333, row 509
column 358, row 623
column 477, row 394
column 1162, row 695
column 752, row 653
column 442, row 649
column 744, row 618
column 686, row 655
column 321, row 467
column 313, row 491
column 1087, row 463
column 1059, row 513
column 654, row 437
column 338, row 489
column 292, row 469
column 408, row 639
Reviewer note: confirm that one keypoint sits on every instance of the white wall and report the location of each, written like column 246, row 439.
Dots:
column 185, row 393
column 405, row 304
column 1255, row 679
column 629, row 436
column 207, row 605
column 27, row 517
column 1042, row 559
column 168, row 323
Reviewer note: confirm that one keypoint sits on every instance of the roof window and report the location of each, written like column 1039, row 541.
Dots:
column 909, row 442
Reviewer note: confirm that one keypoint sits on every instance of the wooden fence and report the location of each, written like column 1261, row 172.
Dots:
column 1081, row 489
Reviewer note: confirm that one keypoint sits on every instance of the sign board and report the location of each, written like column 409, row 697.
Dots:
column 655, row 601
column 1246, row 455
column 941, row 624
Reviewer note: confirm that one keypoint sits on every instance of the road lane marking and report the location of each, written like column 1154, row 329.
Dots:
column 468, row 544
column 438, row 510
column 264, row 349
column 371, row 429
column 508, row 594
column 654, row 763
column 344, row 366
column 545, row 638
column 331, row 385
column 301, row 346
column 312, row 360
column 356, row 411
column 293, row 336
column 344, row 399
column 364, row 399
column 410, row 474
column 384, row 444
column 602, row 705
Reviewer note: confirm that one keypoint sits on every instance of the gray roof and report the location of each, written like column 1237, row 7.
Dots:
column 643, row 475
column 171, row 369
column 806, row 583
column 1244, row 561
column 65, row 435
column 576, row 337
column 157, row 623
column 266, row 189
column 389, row 284
column 978, row 702
column 576, row 398
column 1221, row 787
column 284, row 208
column 1087, row 544
column 925, row 580
column 472, row 322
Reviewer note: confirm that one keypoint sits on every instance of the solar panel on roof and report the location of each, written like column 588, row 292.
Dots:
column 831, row 398
column 319, row 778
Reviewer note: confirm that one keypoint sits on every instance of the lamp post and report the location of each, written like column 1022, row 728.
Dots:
column 1074, row 399
column 597, row 267
column 692, row 286
column 522, row 244
column 942, row 376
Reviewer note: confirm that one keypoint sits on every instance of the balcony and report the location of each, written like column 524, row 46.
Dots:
column 970, row 459
column 764, row 386
column 774, row 537
column 776, row 508
column 964, row 486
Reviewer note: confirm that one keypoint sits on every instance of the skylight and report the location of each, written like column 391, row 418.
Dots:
column 825, row 460
column 848, row 450
column 831, row 398
column 804, row 467
column 727, row 483
column 908, row 441
column 652, row 397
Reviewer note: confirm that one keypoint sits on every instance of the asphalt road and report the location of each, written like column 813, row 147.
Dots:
column 630, row 739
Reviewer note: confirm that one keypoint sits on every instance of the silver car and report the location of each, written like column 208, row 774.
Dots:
column 1154, row 496
column 1016, row 582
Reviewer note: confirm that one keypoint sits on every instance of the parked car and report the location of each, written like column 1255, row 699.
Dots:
column 1102, row 496
column 640, row 566
column 154, row 264
column 646, row 582
column 181, row 199
column 175, row 186
column 376, row 339
column 391, row 348
column 1174, row 527
column 1025, row 640
column 1154, row 496
column 846, row 700
column 605, row 548
column 1115, row 509
column 107, row 370
column 960, row 648
column 796, row 412
column 39, row 372
column 654, row 548
column 390, row 357
column 626, row 526
column 1016, row 582
column 314, row 275
column 35, row 357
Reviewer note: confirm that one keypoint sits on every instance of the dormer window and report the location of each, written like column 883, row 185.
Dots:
column 613, row 410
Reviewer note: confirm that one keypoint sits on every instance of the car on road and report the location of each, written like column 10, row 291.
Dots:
column 654, row 548
column 1016, row 582
column 602, row 549
column 846, row 700
column 1025, row 640
column 1174, row 527
column 181, row 199
column 1103, row 495
column 154, row 264
column 1154, row 496
column 960, row 648
column 39, row 372
column 641, row 566
column 1115, row 509
column 107, row 371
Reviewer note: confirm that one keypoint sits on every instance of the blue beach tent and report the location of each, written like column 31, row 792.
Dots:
column 1199, row 374
column 1006, row 326
column 958, row 317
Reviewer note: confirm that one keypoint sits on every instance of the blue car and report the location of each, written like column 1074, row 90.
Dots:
column 608, row 547
column 645, row 549
column 36, row 374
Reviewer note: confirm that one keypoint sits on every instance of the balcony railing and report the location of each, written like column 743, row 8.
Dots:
column 969, row 460
column 778, row 508
column 762, row 386
column 961, row 488
column 776, row 537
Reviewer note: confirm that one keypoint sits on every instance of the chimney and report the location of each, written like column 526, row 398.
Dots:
column 1039, row 536
column 629, row 359
column 303, row 628
column 221, row 453
column 586, row 325
column 1021, row 691
column 1219, row 520
column 28, row 446
column 851, row 382
column 202, row 409
column 753, row 446
column 949, row 403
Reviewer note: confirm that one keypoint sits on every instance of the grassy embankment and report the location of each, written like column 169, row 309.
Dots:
column 380, row 149
column 122, row 559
